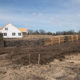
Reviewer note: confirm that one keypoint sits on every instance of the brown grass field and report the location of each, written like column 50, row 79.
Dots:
column 54, row 62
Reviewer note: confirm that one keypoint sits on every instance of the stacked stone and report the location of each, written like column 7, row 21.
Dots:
column 27, row 43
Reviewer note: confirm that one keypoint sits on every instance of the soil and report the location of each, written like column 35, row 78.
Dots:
column 57, row 62
column 69, row 69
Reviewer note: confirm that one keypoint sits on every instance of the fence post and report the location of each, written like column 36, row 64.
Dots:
column 72, row 37
column 63, row 39
column 77, row 37
column 59, row 39
column 39, row 59
column 29, row 58
column 52, row 42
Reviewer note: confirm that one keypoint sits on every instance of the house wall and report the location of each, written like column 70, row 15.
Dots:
column 11, row 29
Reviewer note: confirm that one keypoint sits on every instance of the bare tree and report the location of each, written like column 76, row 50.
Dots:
column 30, row 31
column 41, row 31
column 49, row 33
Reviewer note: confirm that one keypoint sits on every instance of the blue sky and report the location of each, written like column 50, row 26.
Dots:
column 50, row 15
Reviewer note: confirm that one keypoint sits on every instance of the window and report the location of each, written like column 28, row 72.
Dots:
column 5, row 34
column 13, row 34
column 6, row 28
column 19, row 34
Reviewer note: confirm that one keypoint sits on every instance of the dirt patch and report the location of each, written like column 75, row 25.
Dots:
column 58, row 62
column 26, row 55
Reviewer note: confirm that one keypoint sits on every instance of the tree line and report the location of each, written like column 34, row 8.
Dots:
column 43, row 32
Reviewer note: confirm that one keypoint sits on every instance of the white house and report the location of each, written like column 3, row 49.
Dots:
column 11, row 31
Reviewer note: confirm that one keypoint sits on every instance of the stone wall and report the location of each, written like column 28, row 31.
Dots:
column 28, row 43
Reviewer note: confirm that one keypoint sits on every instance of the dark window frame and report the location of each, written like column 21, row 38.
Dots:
column 13, row 34
column 4, row 34
column 6, row 28
column 19, row 34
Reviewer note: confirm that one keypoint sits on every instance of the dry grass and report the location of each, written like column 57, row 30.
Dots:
column 69, row 69
column 34, row 37
column 59, row 62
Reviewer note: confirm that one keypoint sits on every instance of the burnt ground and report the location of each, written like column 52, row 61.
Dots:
column 26, row 55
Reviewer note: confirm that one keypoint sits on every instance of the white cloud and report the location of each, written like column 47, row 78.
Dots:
column 63, row 19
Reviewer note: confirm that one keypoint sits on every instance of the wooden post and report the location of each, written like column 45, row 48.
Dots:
column 52, row 42
column 29, row 58
column 38, row 59
column 59, row 39
column 72, row 37
column 63, row 40
column 77, row 37
column 1, row 40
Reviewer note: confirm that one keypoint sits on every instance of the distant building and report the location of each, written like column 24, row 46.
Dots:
column 11, row 31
